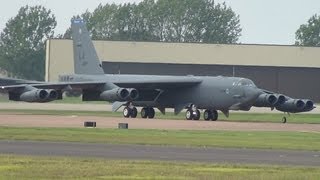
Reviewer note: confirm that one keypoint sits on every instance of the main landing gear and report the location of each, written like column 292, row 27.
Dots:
column 130, row 112
column 146, row 112
column 210, row 115
column 193, row 113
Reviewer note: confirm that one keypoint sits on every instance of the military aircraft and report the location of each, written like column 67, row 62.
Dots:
column 193, row 93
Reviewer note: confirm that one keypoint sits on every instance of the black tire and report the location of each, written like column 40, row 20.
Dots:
column 126, row 112
column 144, row 113
column 196, row 115
column 151, row 113
column 207, row 115
column 284, row 120
column 189, row 114
column 214, row 115
column 134, row 112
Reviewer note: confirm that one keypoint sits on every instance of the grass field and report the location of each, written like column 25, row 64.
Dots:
column 237, row 117
column 29, row 167
column 261, row 140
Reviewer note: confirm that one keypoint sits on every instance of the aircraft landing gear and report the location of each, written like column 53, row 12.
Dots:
column 147, row 112
column 210, row 115
column 284, row 120
column 193, row 113
column 214, row 115
column 130, row 112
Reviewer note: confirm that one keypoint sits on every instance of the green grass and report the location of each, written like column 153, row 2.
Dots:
column 263, row 140
column 236, row 117
column 30, row 167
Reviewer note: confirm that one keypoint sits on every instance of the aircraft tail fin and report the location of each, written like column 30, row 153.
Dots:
column 86, row 60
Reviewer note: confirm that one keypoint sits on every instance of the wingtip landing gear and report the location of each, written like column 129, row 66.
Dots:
column 284, row 120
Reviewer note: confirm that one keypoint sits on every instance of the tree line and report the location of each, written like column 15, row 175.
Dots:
column 164, row 21
column 22, row 41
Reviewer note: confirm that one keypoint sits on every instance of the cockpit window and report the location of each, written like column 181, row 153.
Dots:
column 245, row 82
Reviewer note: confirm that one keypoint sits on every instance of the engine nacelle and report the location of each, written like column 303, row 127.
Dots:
column 116, row 94
column 267, row 100
column 39, row 95
column 36, row 95
column 133, row 94
column 293, row 106
column 281, row 99
column 120, row 94
column 52, row 95
column 309, row 105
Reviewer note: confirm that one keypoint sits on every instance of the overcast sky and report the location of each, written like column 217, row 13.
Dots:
column 262, row 21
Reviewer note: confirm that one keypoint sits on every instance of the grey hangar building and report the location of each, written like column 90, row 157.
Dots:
column 291, row 70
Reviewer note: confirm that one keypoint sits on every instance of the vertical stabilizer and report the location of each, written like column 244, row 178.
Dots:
column 86, row 60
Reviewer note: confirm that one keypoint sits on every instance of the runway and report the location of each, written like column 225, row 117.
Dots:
column 138, row 123
column 162, row 153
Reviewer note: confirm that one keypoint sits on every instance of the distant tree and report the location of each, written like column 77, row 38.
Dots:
column 309, row 34
column 221, row 24
column 22, row 42
column 164, row 20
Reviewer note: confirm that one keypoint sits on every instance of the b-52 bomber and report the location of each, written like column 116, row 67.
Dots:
column 193, row 93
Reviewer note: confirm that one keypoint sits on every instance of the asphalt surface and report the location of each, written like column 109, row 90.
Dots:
column 139, row 123
column 108, row 107
column 163, row 153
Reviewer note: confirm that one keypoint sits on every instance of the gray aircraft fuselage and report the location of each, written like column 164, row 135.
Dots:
column 213, row 92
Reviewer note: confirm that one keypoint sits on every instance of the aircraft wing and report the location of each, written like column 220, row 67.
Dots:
column 56, row 86
column 138, row 84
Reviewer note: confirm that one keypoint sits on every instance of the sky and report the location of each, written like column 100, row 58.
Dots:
column 262, row 21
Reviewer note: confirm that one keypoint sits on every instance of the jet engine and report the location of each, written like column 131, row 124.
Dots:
column 36, row 95
column 52, row 95
column 294, row 105
column 133, row 94
column 269, row 100
column 32, row 94
column 120, row 94
column 309, row 105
